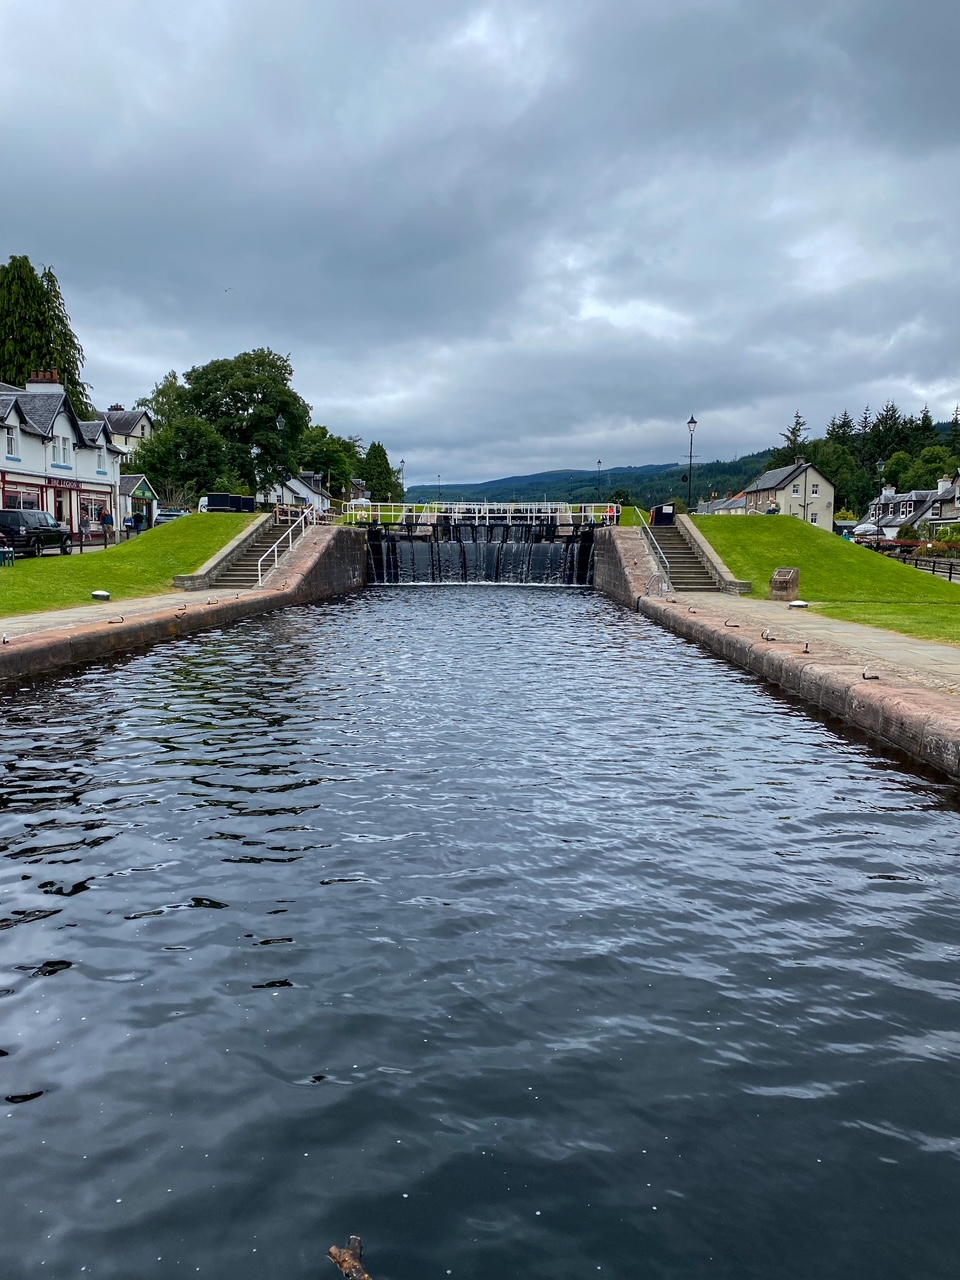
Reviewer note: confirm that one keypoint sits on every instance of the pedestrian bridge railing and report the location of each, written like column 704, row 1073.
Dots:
column 416, row 514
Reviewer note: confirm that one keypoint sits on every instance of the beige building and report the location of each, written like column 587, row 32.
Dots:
column 799, row 490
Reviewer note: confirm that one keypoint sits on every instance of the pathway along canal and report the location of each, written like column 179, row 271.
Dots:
column 495, row 925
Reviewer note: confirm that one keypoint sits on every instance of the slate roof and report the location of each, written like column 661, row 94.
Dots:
column 124, row 421
column 91, row 431
column 129, row 483
column 41, row 407
column 776, row 478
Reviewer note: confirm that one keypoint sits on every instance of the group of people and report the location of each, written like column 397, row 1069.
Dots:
column 132, row 524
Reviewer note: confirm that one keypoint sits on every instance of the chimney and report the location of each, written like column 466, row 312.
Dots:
column 45, row 380
column 116, row 408
column 944, row 484
column 888, row 492
column 800, row 461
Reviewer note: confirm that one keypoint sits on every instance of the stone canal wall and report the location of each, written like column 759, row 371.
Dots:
column 622, row 565
column 326, row 561
column 908, row 713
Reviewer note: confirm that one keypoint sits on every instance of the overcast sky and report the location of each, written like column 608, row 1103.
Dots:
column 501, row 237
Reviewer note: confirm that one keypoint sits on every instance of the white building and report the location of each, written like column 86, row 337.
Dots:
column 49, row 459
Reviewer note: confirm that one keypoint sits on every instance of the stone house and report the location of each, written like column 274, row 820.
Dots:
column 798, row 490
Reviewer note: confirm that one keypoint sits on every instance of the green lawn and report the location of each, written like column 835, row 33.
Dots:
column 838, row 578
column 629, row 517
column 144, row 566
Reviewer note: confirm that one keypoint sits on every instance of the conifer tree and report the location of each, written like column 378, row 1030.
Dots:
column 35, row 332
column 378, row 473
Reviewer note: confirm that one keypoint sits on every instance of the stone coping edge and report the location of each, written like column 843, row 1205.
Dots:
column 907, row 716
column 205, row 576
column 332, row 564
column 708, row 557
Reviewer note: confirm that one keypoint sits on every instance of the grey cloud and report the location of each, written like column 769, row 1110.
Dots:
column 496, row 234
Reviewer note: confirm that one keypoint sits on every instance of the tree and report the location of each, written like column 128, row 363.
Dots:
column 249, row 401
column 335, row 458
column 896, row 469
column 926, row 470
column 841, row 430
column 380, row 477
column 794, row 441
column 182, row 460
column 35, row 332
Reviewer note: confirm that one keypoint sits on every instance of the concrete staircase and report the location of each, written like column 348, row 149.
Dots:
column 241, row 575
column 686, row 571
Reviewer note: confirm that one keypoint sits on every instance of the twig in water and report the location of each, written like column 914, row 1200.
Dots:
column 349, row 1259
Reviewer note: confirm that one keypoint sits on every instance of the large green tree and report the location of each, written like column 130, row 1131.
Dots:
column 182, row 460
column 35, row 332
column 335, row 458
column 261, row 419
column 381, row 479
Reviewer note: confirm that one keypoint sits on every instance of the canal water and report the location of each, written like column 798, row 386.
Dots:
column 494, row 925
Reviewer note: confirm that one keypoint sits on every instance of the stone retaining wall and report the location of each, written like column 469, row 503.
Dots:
column 326, row 561
column 622, row 565
column 921, row 722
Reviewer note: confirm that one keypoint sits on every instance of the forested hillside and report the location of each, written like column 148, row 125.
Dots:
column 638, row 486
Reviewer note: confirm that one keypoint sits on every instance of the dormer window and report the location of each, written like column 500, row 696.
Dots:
column 11, row 441
column 100, row 461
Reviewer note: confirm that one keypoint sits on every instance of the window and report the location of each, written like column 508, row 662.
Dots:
column 100, row 466
column 796, row 490
column 903, row 508
column 11, row 442
column 814, row 489
column 813, row 517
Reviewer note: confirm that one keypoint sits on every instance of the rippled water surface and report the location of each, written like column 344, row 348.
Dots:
column 494, row 925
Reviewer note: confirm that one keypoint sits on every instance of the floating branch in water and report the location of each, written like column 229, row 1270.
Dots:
column 349, row 1259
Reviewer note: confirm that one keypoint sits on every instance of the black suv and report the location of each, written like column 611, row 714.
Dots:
column 33, row 531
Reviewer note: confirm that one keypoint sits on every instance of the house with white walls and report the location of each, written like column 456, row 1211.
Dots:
column 52, row 461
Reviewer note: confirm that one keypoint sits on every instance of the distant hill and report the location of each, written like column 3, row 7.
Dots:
column 646, row 485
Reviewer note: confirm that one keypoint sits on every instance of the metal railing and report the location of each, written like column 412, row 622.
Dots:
column 646, row 536
column 287, row 537
column 942, row 567
column 428, row 513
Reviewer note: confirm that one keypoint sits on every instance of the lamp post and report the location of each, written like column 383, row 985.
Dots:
column 691, row 427
column 403, row 491
column 255, row 454
column 439, row 490
column 598, row 482
column 876, row 522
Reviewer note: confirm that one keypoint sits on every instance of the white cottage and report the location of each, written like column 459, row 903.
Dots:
column 50, row 460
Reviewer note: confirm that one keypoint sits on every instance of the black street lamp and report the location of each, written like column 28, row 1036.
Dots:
column 876, row 522
column 439, row 490
column 598, row 481
column 691, row 427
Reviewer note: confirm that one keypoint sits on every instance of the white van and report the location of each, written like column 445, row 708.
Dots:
column 202, row 506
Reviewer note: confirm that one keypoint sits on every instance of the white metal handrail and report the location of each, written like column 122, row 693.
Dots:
column 309, row 517
column 646, row 535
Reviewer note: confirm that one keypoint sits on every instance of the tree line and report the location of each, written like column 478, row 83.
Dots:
column 237, row 425
column 907, row 451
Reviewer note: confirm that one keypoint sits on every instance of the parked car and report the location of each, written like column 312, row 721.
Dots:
column 31, row 532
column 166, row 514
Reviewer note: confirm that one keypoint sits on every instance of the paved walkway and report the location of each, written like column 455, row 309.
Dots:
column 926, row 662
column 65, row 619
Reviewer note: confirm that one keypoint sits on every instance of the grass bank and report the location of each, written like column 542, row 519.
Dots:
column 144, row 566
column 838, row 578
